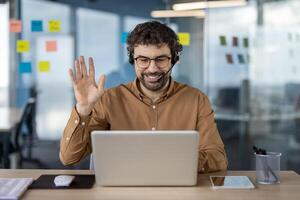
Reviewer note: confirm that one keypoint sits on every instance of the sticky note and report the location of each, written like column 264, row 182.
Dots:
column 23, row 46
column 44, row 66
column 25, row 67
column 235, row 41
column 54, row 25
column 246, row 42
column 184, row 38
column 229, row 58
column 241, row 59
column 222, row 40
column 36, row 26
column 124, row 37
column 15, row 26
column 51, row 46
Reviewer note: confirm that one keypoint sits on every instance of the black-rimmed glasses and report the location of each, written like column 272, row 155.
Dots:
column 160, row 61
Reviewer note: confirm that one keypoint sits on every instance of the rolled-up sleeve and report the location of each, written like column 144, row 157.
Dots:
column 75, row 143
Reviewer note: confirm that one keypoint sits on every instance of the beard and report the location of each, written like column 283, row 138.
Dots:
column 154, row 81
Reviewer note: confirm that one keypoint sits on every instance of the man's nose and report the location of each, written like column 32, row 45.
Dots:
column 152, row 66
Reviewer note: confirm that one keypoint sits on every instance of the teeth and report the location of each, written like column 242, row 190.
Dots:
column 153, row 78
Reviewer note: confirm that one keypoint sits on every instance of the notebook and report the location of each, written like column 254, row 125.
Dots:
column 13, row 188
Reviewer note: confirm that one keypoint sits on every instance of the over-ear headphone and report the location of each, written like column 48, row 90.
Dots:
column 174, row 58
column 130, row 58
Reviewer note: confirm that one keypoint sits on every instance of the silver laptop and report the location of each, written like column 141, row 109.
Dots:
column 145, row 158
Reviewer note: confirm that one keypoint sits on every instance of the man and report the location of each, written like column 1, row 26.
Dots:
column 154, row 101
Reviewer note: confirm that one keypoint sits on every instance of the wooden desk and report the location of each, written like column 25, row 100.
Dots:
column 8, row 119
column 288, row 189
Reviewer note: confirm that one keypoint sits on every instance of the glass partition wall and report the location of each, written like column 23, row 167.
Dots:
column 252, row 76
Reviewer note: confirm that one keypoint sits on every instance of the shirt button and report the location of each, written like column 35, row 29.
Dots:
column 67, row 138
column 83, row 123
column 76, row 121
column 153, row 129
column 153, row 107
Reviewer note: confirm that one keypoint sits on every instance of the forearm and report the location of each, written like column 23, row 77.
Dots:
column 75, row 142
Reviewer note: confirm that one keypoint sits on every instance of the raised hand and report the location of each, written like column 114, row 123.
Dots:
column 87, row 92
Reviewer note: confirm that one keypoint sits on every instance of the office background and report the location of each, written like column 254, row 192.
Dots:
column 243, row 57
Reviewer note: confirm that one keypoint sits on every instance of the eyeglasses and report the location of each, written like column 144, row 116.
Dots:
column 160, row 61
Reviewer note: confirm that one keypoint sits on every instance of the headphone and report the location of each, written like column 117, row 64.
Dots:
column 174, row 59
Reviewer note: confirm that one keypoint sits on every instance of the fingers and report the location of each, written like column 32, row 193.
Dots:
column 92, row 67
column 81, row 69
column 83, row 66
column 78, row 71
column 101, row 83
column 92, row 70
column 72, row 77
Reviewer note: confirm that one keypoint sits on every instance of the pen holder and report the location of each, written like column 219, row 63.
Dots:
column 268, row 168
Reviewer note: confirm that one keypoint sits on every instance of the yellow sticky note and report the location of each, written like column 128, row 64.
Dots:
column 44, row 66
column 54, row 25
column 23, row 46
column 184, row 38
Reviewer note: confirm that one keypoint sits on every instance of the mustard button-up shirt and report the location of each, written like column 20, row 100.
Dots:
column 126, row 108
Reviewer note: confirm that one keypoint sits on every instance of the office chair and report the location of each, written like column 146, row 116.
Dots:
column 25, row 132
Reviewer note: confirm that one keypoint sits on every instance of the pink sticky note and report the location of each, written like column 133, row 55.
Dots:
column 51, row 46
column 15, row 26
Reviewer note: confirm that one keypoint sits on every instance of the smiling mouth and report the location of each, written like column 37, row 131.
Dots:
column 152, row 78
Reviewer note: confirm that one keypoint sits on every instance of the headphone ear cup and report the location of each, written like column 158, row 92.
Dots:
column 175, row 59
column 131, row 59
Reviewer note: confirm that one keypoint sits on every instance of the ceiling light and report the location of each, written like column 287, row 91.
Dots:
column 209, row 4
column 173, row 13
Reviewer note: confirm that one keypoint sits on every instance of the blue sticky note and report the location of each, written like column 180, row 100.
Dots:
column 25, row 67
column 124, row 37
column 241, row 59
column 36, row 26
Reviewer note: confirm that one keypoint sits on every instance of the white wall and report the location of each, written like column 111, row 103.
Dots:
column 4, row 54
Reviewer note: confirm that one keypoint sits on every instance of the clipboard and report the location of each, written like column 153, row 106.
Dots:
column 81, row 181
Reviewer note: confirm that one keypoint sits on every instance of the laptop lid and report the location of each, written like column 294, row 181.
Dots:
column 145, row 158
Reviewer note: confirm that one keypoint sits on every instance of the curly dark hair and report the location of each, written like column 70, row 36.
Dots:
column 153, row 33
